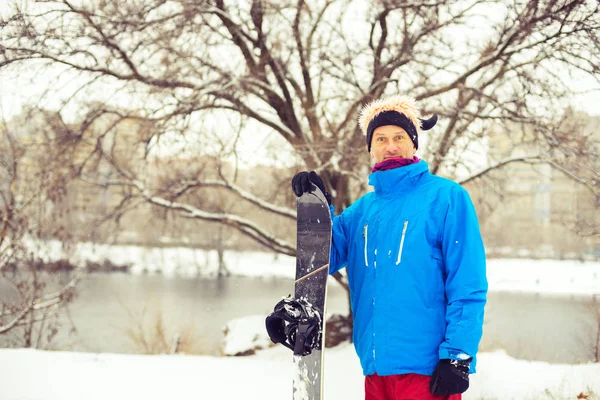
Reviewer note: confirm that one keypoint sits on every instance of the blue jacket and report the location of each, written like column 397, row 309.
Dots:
column 416, row 270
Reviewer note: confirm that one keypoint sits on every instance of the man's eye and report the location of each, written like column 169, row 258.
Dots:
column 380, row 139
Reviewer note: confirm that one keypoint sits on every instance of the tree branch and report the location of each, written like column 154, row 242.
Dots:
column 44, row 302
column 283, row 211
column 243, row 225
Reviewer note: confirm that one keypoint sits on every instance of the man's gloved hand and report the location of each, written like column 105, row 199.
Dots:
column 302, row 183
column 450, row 377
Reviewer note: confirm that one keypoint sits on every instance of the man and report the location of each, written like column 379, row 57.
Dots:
column 415, row 263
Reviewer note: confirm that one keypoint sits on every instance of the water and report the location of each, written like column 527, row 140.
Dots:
column 558, row 329
column 109, row 305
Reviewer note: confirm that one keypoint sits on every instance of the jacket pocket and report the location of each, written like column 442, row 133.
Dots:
column 399, row 259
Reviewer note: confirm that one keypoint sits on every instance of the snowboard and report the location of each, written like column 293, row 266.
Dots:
column 312, row 269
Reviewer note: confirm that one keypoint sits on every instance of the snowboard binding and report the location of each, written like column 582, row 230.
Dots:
column 296, row 325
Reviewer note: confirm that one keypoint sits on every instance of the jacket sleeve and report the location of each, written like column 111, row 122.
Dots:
column 340, row 238
column 466, row 282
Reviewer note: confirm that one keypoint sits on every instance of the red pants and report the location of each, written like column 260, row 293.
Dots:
column 401, row 387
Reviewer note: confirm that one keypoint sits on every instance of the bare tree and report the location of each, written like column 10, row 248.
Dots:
column 301, row 71
column 30, row 300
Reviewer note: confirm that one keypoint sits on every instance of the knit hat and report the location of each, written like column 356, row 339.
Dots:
column 399, row 111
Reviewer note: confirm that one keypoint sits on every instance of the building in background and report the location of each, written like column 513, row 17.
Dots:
column 537, row 209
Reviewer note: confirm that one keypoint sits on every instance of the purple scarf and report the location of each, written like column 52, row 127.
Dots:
column 392, row 163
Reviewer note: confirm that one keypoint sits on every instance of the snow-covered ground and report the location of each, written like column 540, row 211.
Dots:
column 41, row 375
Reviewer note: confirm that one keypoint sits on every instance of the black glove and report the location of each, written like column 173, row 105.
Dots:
column 302, row 183
column 450, row 377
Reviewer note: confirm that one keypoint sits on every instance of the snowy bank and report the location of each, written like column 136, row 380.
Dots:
column 168, row 261
column 44, row 375
column 244, row 336
column 521, row 275
column 544, row 276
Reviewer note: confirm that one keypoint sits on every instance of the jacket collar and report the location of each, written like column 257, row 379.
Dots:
column 397, row 180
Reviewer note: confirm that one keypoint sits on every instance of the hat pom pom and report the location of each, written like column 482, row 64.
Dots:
column 427, row 124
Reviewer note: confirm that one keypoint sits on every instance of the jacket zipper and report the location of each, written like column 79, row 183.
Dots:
column 402, row 242
column 365, row 234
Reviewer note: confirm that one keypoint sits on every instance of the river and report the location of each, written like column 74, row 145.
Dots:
column 111, row 307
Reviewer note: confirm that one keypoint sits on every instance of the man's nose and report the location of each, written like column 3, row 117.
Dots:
column 390, row 147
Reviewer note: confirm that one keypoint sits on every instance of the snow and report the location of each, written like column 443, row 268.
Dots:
column 243, row 334
column 43, row 375
column 544, row 276
column 169, row 261
column 300, row 381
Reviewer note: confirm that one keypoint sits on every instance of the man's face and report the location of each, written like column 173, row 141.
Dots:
column 391, row 141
